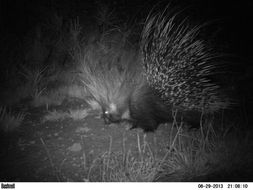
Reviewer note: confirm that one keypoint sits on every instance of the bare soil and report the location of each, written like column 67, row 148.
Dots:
column 64, row 150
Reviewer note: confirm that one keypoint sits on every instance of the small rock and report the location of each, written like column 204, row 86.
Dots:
column 76, row 147
column 32, row 142
column 82, row 129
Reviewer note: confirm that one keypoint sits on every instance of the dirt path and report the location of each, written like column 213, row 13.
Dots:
column 67, row 150
column 88, row 150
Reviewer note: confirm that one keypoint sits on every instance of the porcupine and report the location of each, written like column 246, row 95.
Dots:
column 177, row 66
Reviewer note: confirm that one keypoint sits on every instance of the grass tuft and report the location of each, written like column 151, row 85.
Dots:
column 10, row 121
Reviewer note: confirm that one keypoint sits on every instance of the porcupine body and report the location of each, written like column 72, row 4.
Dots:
column 177, row 67
column 143, row 109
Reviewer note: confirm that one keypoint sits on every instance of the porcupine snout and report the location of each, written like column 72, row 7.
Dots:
column 110, row 114
column 115, row 115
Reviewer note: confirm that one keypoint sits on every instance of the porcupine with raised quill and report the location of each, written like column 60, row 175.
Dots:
column 177, row 65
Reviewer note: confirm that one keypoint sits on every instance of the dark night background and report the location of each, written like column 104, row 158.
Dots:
column 229, row 30
column 230, row 22
column 233, row 17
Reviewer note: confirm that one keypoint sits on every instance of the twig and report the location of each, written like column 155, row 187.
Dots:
column 50, row 159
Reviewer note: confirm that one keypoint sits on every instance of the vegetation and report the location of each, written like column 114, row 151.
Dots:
column 10, row 121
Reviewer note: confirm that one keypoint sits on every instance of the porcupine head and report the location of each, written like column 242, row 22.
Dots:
column 127, row 102
column 115, row 105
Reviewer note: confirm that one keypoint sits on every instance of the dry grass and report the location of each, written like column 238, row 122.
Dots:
column 35, row 78
column 48, row 99
column 106, row 17
column 56, row 96
column 190, row 156
column 123, row 166
column 9, row 121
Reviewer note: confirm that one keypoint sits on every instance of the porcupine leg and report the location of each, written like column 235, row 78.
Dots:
column 147, row 125
column 134, row 125
column 192, row 119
